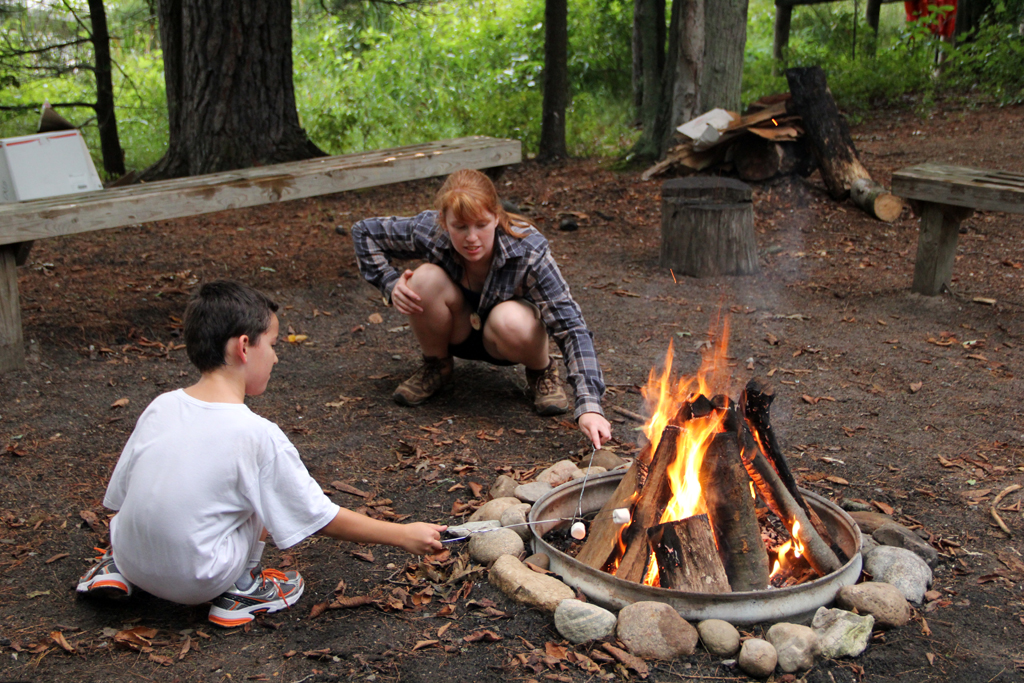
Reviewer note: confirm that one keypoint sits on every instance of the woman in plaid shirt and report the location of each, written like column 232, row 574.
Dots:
column 489, row 290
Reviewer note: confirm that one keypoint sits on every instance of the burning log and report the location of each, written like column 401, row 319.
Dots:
column 655, row 494
column 687, row 558
column 818, row 553
column 756, row 401
column 758, row 159
column 604, row 531
column 730, row 506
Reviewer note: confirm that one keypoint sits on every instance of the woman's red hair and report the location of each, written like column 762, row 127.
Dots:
column 469, row 194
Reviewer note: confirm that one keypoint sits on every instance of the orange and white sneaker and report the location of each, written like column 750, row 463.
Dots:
column 104, row 579
column 271, row 591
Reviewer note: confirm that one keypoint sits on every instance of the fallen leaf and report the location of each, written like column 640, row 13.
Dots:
column 884, row 507
column 809, row 399
column 185, row 647
column 58, row 556
column 119, row 403
column 984, row 301
column 631, row 661
column 135, row 638
column 556, row 651
column 351, row 490
column 424, row 643
column 296, row 338
column 375, row 318
column 771, row 339
column 915, row 387
column 366, row 557
column 486, row 636
column 837, row 480
column 925, row 631
column 58, row 637
column 477, row 489
column 441, row 631
column 161, row 660
column 931, row 658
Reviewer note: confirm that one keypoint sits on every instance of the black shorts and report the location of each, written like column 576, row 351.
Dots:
column 472, row 348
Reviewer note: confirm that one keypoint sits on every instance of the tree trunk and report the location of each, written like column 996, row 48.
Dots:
column 556, row 80
column 230, row 95
column 968, row 17
column 110, row 144
column 684, row 71
column 726, row 21
column 650, row 19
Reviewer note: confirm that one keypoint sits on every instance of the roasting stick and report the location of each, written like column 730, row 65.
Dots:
column 619, row 515
column 579, row 531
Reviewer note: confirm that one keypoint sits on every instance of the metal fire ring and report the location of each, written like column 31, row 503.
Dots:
column 793, row 604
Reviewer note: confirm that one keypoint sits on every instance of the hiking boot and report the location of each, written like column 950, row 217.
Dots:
column 425, row 382
column 546, row 390
column 104, row 579
column 271, row 591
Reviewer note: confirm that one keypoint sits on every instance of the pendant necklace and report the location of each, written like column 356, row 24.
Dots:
column 474, row 317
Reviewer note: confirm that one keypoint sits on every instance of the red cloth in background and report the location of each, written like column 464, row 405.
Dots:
column 923, row 8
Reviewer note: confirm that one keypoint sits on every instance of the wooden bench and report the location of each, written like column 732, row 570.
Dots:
column 944, row 196
column 784, row 17
column 23, row 222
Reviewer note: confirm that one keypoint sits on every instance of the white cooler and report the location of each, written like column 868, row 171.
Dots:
column 45, row 165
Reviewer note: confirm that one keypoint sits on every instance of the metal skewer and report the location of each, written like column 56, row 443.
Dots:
column 615, row 513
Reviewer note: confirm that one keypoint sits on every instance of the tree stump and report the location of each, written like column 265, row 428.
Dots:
column 707, row 227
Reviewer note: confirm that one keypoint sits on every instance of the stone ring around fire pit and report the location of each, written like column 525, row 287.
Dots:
column 794, row 603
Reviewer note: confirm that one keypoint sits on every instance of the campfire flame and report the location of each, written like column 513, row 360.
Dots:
column 788, row 552
column 665, row 395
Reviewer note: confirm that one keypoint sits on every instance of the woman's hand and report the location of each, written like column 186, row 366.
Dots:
column 404, row 299
column 596, row 428
column 421, row 538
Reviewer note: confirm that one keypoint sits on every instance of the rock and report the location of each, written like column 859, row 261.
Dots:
column 757, row 658
column 720, row 638
column 795, row 645
column 867, row 544
column 525, row 586
column 492, row 509
column 900, row 536
column 559, row 473
column 852, row 505
column 841, row 633
column 516, row 515
column 588, row 472
column 883, row 601
column 487, row 547
column 579, row 622
column 532, row 492
column 654, row 630
column 603, row 458
column 503, row 487
column 902, row 568
column 869, row 521
column 539, row 560
column 466, row 528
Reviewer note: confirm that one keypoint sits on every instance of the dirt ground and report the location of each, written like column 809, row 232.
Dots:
column 913, row 402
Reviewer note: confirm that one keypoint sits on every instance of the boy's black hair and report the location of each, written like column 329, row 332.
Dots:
column 219, row 311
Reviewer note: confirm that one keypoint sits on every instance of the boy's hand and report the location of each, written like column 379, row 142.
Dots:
column 421, row 538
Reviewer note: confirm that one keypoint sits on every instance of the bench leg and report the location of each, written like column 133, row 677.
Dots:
column 12, row 349
column 936, row 246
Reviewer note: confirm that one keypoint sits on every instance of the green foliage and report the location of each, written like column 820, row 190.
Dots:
column 364, row 81
column 991, row 61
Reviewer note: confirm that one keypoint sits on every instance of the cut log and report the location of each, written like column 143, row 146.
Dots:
column 875, row 200
column 707, row 227
column 602, row 538
column 655, row 495
column 757, row 159
column 755, row 402
column 828, row 133
column 687, row 558
column 726, row 489
column 817, row 551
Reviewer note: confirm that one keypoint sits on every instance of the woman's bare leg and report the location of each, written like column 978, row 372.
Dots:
column 514, row 333
column 445, row 317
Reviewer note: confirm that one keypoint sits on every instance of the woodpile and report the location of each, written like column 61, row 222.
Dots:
column 789, row 133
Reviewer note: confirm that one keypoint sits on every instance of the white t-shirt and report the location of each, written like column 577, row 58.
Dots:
column 195, row 485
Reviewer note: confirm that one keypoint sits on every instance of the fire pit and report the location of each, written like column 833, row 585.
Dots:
column 794, row 603
column 707, row 508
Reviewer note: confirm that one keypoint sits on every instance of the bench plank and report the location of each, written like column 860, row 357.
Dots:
column 163, row 200
column 23, row 222
column 959, row 186
column 945, row 196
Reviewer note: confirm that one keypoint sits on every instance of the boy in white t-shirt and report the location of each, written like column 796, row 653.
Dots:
column 203, row 479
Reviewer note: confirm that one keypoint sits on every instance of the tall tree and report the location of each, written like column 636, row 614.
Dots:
column 106, row 118
column 648, row 57
column 726, row 21
column 230, row 94
column 556, row 80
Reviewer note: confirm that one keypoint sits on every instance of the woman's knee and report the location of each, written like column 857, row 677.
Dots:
column 515, row 322
column 431, row 281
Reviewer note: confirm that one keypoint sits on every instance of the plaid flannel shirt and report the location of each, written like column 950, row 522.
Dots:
column 520, row 268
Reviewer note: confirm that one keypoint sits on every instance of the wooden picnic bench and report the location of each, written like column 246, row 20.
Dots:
column 944, row 196
column 784, row 17
column 21, row 223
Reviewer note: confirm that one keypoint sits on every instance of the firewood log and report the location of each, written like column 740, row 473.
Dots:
column 726, row 489
column 818, row 553
column 687, row 557
column 875, row 200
